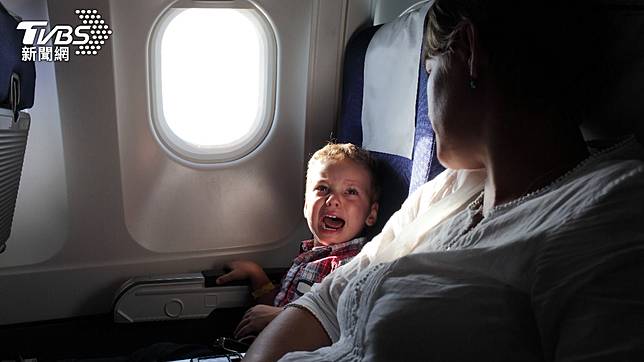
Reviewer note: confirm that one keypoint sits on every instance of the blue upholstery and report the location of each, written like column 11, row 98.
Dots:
column 349, row 127
column 425, row 164
column 398, row 175
column 11, row 62
column 394, row 170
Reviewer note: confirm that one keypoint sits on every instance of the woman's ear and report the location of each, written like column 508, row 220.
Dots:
column 373, row 214
column 465, row 45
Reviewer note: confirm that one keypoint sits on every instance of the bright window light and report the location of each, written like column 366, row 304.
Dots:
column 214, row 88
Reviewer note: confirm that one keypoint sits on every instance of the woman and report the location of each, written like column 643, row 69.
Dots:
column 531, row 251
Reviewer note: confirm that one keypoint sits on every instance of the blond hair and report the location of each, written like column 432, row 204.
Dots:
column 348, row 151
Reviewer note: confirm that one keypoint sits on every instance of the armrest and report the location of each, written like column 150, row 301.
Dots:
column 174, row 297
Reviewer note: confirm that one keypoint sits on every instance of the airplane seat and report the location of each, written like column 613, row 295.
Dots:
column 399, row 176
column 17, row 87
column 12, row 66
column 394, row 171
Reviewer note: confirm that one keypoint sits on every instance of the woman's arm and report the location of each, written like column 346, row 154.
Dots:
column 295, row 329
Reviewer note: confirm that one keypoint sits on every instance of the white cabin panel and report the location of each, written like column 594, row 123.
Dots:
column 171, row 206
column 101, row 202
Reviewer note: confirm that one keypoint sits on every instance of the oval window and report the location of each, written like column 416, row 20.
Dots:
column 212, row 82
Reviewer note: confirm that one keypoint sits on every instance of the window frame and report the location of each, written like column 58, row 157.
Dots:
column 216, row 155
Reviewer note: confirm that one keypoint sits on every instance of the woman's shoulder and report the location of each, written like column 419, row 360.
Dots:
column 606, row 194
column 607, row 184
column 618, row 167
column 449, row 182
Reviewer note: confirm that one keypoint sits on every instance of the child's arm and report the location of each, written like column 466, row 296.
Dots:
column 256, row 319
column 259, row 281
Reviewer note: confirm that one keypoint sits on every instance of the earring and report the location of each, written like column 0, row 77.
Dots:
column 472, row 83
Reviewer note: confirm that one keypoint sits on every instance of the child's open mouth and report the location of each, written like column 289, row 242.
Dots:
column 331, row 222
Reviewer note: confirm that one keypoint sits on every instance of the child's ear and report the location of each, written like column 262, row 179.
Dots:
column 304, row 209
column 373, row 214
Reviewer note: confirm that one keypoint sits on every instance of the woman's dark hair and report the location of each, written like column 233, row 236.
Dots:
column 543, row 54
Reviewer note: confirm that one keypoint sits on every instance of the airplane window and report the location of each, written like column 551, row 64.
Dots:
column 213, row 82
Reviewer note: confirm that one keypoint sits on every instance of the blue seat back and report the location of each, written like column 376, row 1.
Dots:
column 398, row 175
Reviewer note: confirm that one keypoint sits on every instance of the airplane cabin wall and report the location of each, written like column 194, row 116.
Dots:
column 92, row 158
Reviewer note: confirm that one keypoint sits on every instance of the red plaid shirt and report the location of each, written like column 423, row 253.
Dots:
column 312, row 265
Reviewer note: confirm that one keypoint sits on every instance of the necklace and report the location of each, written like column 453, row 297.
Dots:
column 478, row 202
column 476, row 212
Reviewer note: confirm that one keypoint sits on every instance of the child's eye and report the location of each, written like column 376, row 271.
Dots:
column 321, row 188
column 352, row 191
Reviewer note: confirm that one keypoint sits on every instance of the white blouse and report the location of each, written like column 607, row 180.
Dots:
column 542, row 277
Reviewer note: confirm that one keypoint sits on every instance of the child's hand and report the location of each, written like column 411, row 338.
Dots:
column 242, row 270
column 255, row 319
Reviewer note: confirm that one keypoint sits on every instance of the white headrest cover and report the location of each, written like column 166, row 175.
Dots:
column 391, row 83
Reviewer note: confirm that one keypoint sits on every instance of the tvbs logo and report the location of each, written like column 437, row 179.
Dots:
column 36, row 34
column 88, row 38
